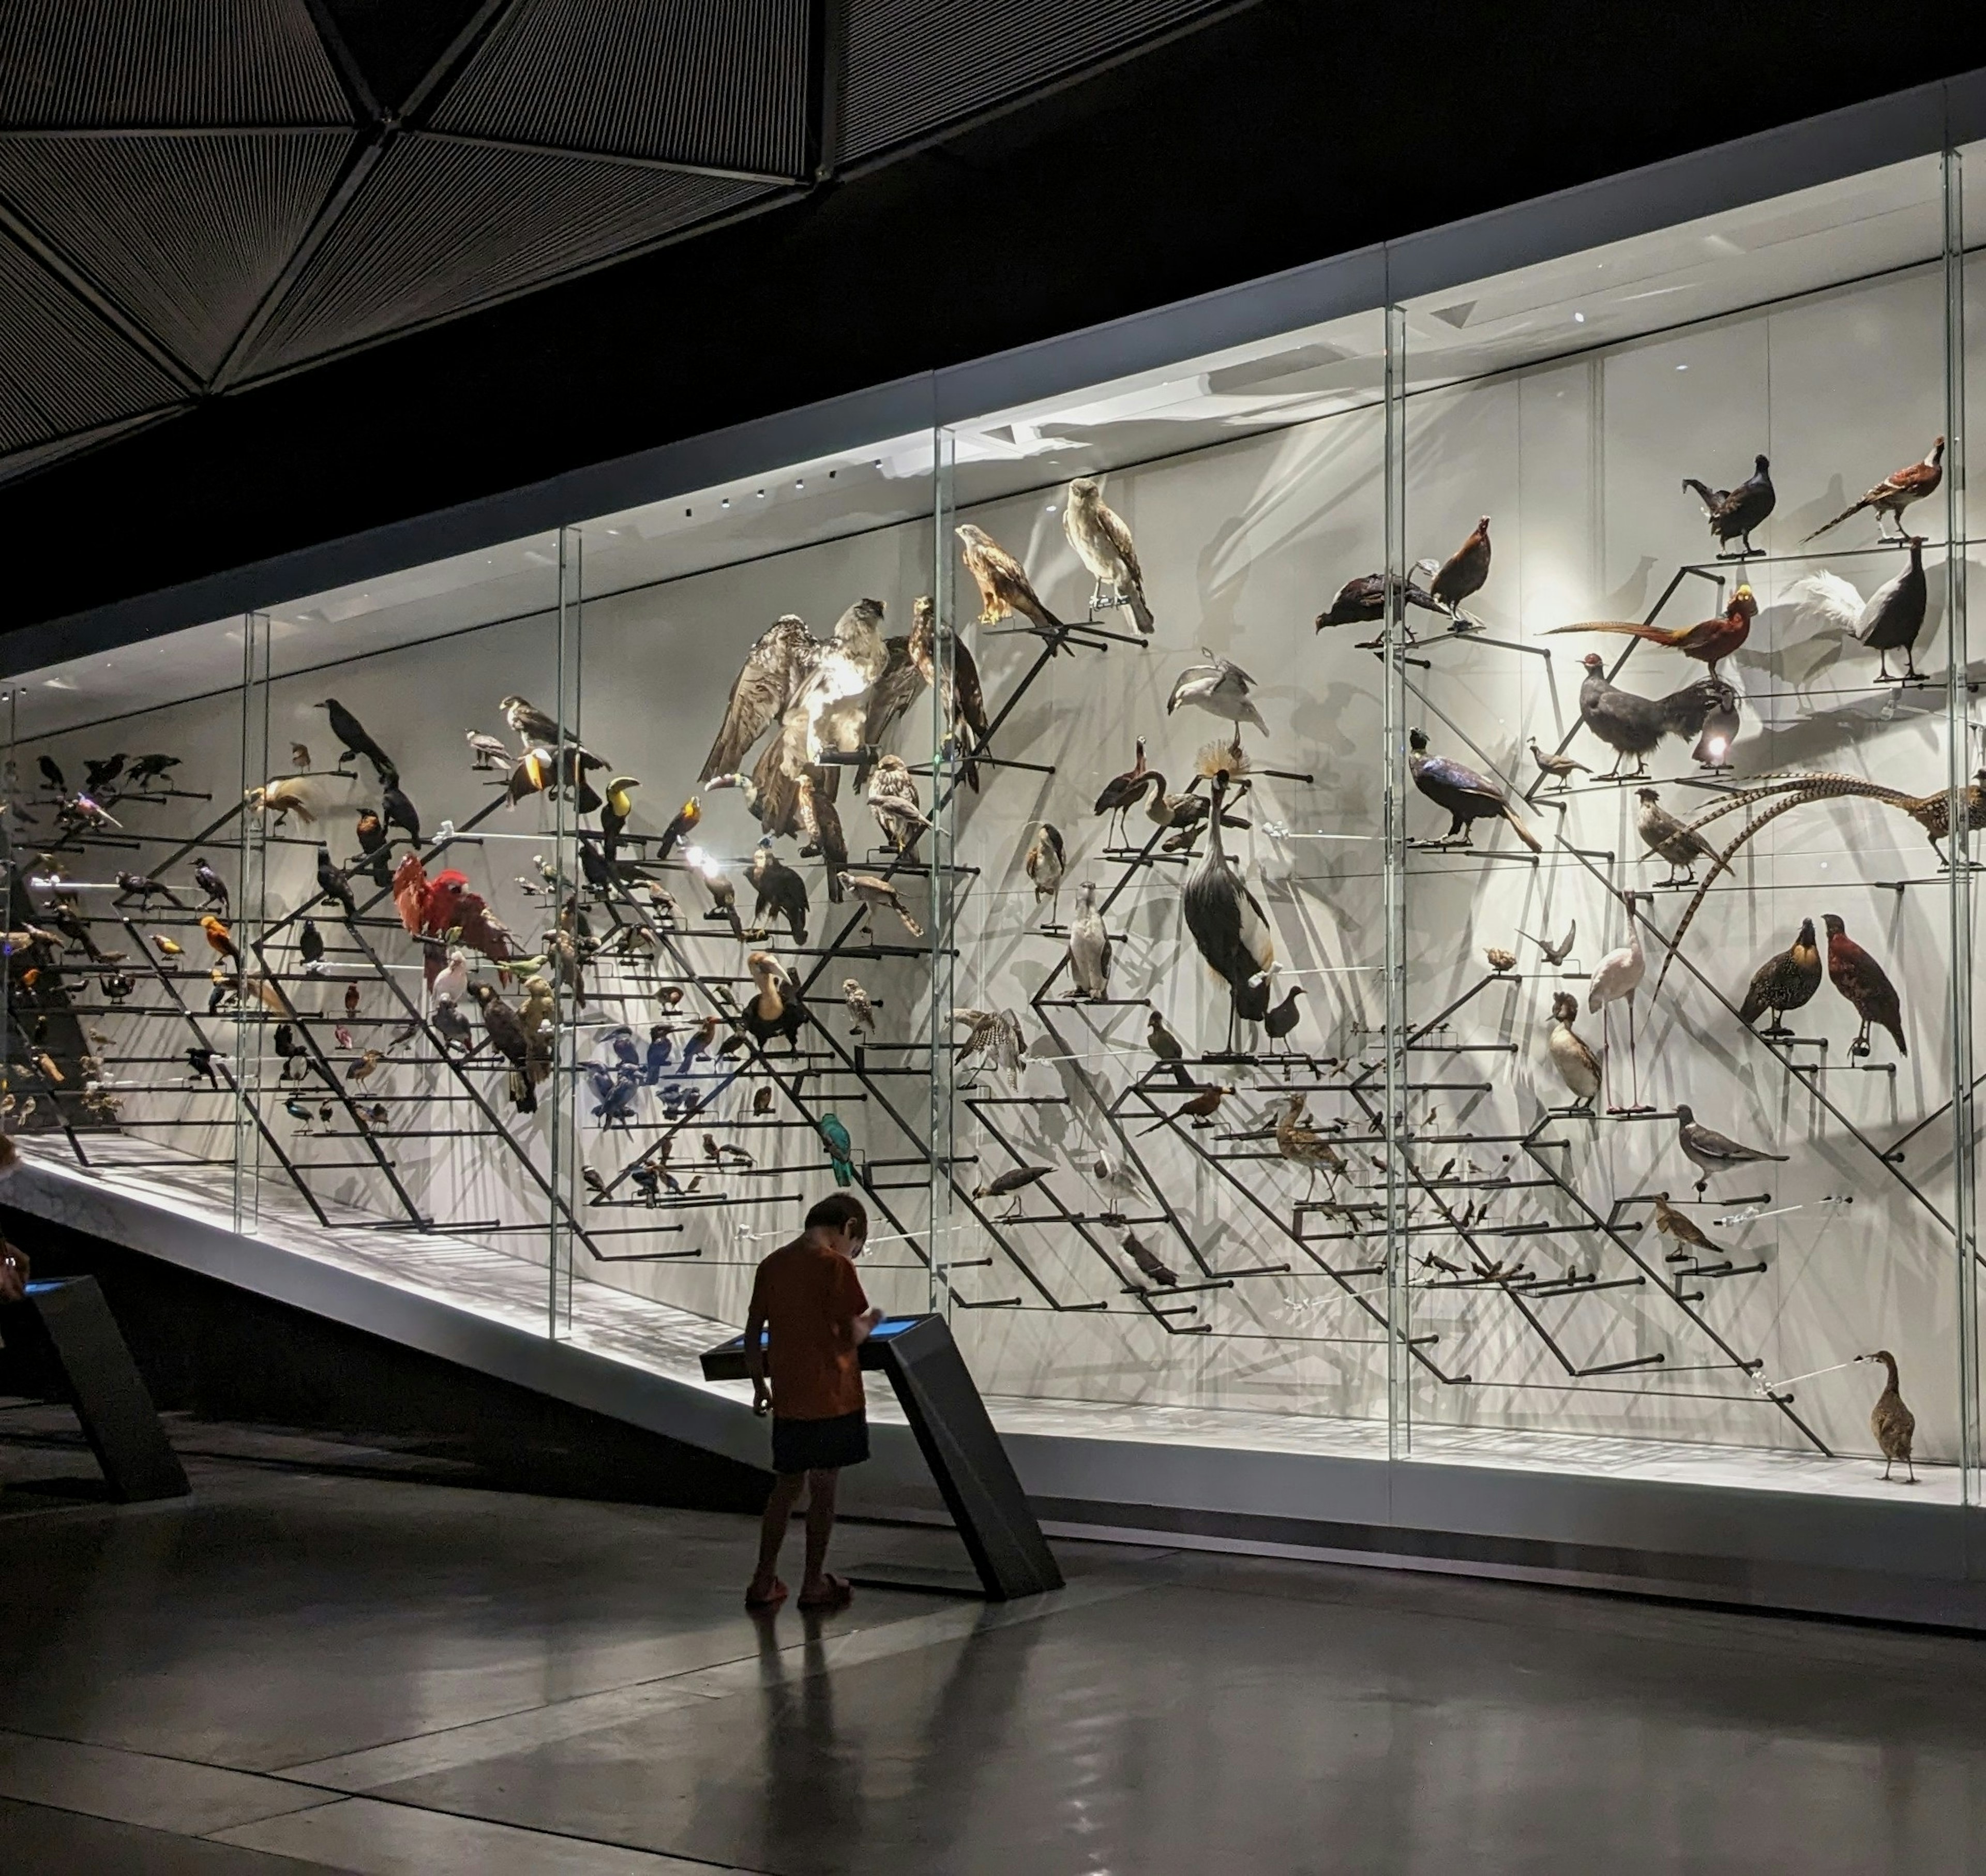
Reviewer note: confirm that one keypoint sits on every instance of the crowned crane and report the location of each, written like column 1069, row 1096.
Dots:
column 1228, row 924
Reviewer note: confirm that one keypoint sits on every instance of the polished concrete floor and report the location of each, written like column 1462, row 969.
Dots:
column 335, row 1660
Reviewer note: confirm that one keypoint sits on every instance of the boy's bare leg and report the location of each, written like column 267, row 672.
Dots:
column 773, row 1530
column 821, row 1487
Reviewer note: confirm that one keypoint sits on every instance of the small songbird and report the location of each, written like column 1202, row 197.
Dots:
column 98, row 775
column 1668, row 837
column 300, row 756
column 761, row 1099
column 375, row 845
column 1710, row 641
column 341, row 1035
column 1046, row 862
column 333, row 884
column 1166, row 1046
column 1009, row 1184
column 1465, row 572
column 1199, row 1110
column 353, row 742
column 1711, row 1153
column 1556, row 954
column 309, row 947
column 1150, row 1266
column 1561, row 769
column 1499, row 960
column 218, row 937
column 1892, row 1423
column 1089, row 946
column 1103, row 543
column 211, row 884
column 1732, row 514
column 51, row 773
column 1785, row 981
column 893, row 800
column 1005, row 589
column 351, row 999
column 199, row 1062
column 874, row 895
column 861, row 1011
column 147, row 769
column 1864, row 983
column 144, row 889
column 1894, row 494
column 685, row 819
column 1578, row 1067
column 361, row 1070
column 1684, row 1232
column 489, row 752
column 1467, row 796
column 399, row 811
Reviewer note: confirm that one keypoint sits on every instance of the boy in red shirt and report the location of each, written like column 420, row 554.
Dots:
column 809, row 1298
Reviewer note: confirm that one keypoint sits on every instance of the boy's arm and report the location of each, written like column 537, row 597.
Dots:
column 860, row 1326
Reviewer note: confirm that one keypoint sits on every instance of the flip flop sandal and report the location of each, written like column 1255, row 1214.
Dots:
column 840, row 1592
column 765, row 1604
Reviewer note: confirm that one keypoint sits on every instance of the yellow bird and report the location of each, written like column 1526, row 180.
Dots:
column 168, row 948
column 217, row 936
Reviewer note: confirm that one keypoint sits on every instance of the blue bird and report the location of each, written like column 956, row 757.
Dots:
column 627, row 1051
column 614, row 1094
column 660, row 1049
column 840, row 1148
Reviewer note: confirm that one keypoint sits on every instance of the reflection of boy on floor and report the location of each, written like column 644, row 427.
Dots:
column 809, row 1298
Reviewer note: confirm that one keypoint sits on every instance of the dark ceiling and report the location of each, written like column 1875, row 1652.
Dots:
column 272, row 271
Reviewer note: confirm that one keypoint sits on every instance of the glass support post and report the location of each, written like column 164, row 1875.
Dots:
column 944, row 939
column 248, row 915
column 562, row 1124
column 1393, row 742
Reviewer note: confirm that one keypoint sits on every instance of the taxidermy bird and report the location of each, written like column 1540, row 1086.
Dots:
column 1892, row 1423
column 436, row 908
column 1785, row 981
column 1578, row 1067
column 616, row 805
column 1164, row 1045
column 490, row 752
column 1630, row 725
column 374, row 846
column 996, row 1033
column 899, row 685
column 681, row 823
column 1888, row 621
column 1302, row 1145
column 834, row 697
column 310, row 948
column 723, row 901
column 527, row 720
column 875, row 894
column 1561, row 769
column 212, row 888
column 1556, row 954
column 1362, row 601
column 284, row 796
column 840, row 1148
column 774, row 1008
column 1122, row 793
column 1710, row 641
column 98, row 775
column 1616, row 978
column 1045, row 862
column 1866, row 986
column 1119, row 1185
column 1005, row 589
column 780, row 890
column 1227, row 923
column 1466, row 797
column 1199, row 1110
column 1732, row 514
column 450, row 978
column 353, row 742
column 1103, row 543
column 200, row 1061
column 351, row 999
column 148, row 769
column 217, row 938
column 397, row 811
column 1089, row 946
column 965, row 710
column 1150, row 1266
column 1894, row 494
column 1463, row 574
column 300, row 756
column 1279, row 1020
column 1009, row 1184
column 1684, row 1232
column 51, row 773
column 861, row 1010
column 333, row 883
column 1711, row 1153
column 1670, row 839
column 893, row 800
column 144, row 889
column 780, row 660
column 1220, row 687
column 1498, row 959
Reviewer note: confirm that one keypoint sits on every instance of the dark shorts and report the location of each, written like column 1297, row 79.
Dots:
column 820, row 1446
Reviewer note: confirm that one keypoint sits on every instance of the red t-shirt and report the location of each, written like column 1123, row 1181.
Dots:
column 808, row 1297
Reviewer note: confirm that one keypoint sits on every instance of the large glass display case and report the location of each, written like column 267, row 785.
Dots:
column 1402, row 889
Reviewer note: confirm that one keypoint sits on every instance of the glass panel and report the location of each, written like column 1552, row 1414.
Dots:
column 1623, row 1291
column 1204, row 1241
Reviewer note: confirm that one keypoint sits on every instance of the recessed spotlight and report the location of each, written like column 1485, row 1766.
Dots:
column 725, row 503
column 800, row 483
column 1579, row 318
column 761, row 494
column 1682, row 368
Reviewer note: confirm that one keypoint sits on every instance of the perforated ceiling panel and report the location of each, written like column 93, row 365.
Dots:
column 916, row 65
column 441, row 226
column 196, row 194
column 721, row 83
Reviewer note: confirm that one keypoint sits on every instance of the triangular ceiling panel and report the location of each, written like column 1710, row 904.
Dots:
column 164, row 62
column 442, row 226
column 719, row 82
column 185, row 234
column 62, row 369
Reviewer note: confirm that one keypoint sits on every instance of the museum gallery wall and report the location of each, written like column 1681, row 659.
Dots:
column 1387, row 887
